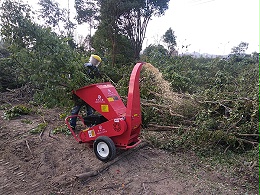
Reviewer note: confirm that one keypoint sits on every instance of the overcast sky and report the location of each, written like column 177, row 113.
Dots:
column 208, row 26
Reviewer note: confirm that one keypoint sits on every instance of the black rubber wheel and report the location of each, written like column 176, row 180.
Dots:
column 104, row 148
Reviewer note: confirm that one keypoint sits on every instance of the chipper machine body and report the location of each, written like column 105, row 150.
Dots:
column 115, row 125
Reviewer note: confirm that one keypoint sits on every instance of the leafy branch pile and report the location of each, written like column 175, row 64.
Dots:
column 218, row 122
column 159, row 102
column 219, row 104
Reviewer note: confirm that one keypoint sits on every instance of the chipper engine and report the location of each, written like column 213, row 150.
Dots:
column 115, row 125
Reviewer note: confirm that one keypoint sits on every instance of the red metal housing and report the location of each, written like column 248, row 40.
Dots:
column 123, row 123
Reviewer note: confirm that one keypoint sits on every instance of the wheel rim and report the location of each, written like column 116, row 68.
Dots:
column 102, row 149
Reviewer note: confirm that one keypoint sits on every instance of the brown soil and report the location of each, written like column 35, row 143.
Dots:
column 30, row 164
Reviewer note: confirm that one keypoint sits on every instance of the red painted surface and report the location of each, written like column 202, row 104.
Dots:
column 104, row 98
column 124, row 122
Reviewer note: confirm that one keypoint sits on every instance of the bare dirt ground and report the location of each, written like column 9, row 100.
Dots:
column 30, row 164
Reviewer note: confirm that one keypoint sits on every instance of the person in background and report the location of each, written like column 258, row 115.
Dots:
column 92, row 71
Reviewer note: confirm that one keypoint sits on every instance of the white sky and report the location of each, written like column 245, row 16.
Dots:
column 208, row 26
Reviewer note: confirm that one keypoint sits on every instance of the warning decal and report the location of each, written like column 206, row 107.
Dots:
column 104, row 108
column 110, row 99
column 91, row 133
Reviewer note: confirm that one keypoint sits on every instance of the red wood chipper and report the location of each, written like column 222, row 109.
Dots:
column 115, row 125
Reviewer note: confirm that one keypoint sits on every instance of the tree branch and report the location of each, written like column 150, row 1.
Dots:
column 247, row 135
column 248, row 142
column 162, row 128
column 105, row 166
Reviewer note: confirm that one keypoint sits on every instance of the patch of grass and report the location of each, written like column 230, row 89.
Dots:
column 5, row 106
column 218, row 157
column 63, row 115
column 16, row 111
column 61, row 129
column 40, row 127
column 233, row 164
column 26, row 121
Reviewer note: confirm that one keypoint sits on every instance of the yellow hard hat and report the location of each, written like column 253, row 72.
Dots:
column 95, row 60
column 97, row 57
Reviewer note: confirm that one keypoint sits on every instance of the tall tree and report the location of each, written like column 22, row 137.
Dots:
column 240, row 49
column 129, row 18
column 170, row 39
column 87, row 12
column 109, row 13
column 13, row 16
column 39, row 56
column 135, row 17
column 54, row 16
column 51, row 12
column 107, row 41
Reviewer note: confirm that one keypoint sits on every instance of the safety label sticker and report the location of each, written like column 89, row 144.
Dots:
column 110, row 99
column 104, row 108
column 91, row 133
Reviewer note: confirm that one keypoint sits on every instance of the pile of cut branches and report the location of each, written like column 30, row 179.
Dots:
column 22, row 94
column 160, row 104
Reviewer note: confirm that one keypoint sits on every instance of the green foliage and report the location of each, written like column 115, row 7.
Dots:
column 8, row 78
column 240, row 49
column 155, row 53
column 87, row 11
column 47, row 61
column 55, row 16
column 179, row 82
column 5, row 106
column 26, row 121
column 127, row 18
column 119, row 51
column 40, row 127
column 40, row 57
column 16, row 111
column 61, row 129
column 170, row 39
column 63, row 115
column 223, row 105
column 51, row 12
